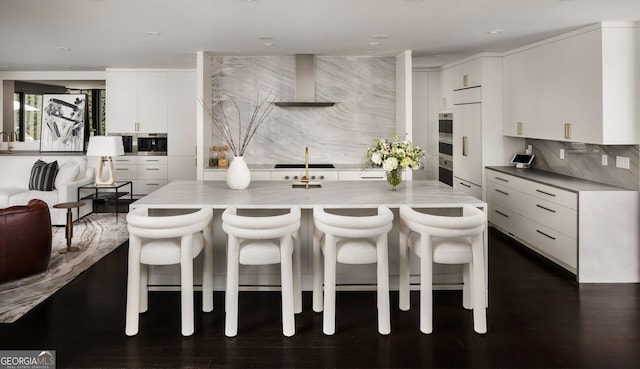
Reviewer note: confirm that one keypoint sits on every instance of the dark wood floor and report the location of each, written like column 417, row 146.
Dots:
column 538, row 318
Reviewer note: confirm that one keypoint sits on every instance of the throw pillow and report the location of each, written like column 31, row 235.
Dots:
column 43, row 176
column 67, row 173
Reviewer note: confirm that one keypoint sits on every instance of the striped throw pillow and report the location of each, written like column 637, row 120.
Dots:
column 43, row 176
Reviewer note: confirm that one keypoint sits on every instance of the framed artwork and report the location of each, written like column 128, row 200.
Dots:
column 64, row 118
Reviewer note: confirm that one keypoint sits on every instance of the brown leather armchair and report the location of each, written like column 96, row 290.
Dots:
column 25, row 240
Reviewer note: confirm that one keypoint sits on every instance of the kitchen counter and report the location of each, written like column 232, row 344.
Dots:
column 352, row 196
column 279, row 194
column 563, row 182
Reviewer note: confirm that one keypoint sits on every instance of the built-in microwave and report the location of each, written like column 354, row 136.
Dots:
column 152, row 144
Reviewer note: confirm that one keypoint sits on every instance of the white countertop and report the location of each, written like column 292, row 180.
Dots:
column 280, row 194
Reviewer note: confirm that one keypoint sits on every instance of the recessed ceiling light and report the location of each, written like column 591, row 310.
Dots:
column 373, row 43
column 495, row 31
column 63, row 48
column 264, row 37
column 379, row 37
column 267, row 44
column 152, row 33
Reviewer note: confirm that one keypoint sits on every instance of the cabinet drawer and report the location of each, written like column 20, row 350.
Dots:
column 131, row 160
column 550, row 214
column 506, row 219
column 467, row 187
column 152, row 172
column 553, row 243
column 126, row 171
column 153, row 160
column 539, row 190
column 549, row 193
column 147, row 186
column 504, row 196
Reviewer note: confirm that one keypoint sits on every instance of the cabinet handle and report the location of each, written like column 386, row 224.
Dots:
column 567, row 130
column 152, row 160
column 544, row 234
column 502, row 179
column 152, row 169
column 137, row 126
column 465, row 80
column 502, row 192
column 519, row 128
column 465, row 142
column 501, row 213
column 152, row 184
column 464, row 184
column 546, row 193
column 545, row 208
column 122, row 168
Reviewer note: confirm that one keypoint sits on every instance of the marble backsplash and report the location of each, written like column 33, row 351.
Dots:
column 585, row 161
column 363, row 87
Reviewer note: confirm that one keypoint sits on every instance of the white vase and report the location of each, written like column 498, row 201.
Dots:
column 238, row 175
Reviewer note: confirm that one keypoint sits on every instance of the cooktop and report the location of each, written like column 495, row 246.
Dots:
column 296, row 166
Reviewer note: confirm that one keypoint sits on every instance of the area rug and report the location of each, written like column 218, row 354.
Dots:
column 96, row 235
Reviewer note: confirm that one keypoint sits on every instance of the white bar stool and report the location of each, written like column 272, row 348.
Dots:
column 444, row 240
column 350, row 240
column 167, row 240
column 260, row 240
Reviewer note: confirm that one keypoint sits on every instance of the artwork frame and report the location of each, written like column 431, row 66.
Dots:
column 64, row 119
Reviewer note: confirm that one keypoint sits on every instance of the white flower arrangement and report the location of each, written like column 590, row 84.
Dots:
column 395, row 155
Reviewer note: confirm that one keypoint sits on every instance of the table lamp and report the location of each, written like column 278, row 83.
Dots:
column 105, row 147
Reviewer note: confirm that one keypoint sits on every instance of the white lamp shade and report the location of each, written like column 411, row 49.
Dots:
column 105, row 146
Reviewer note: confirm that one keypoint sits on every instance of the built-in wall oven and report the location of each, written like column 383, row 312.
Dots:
column 152, row 144
column 445, row 148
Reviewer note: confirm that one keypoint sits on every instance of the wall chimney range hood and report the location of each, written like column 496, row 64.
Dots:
column 305, row 85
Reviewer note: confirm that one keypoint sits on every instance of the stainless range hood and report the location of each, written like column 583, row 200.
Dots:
column 305, row 85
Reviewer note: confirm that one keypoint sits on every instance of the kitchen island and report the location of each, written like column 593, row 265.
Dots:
column 347, row 196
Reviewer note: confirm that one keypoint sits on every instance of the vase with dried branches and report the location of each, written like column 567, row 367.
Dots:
column 238, row 175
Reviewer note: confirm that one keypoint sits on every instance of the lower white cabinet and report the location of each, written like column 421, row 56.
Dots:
column 147, row 173
column 591, row 229
column 542, row 217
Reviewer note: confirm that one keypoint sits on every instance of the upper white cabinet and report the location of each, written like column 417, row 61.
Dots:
column 181, row 113
column 136, row 101
column 462, row 75
column 578, row 87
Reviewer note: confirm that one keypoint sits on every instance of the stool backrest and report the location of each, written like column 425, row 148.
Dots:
column 142, row 225
column 353, row 226
column 260, row 227
column 472, row 222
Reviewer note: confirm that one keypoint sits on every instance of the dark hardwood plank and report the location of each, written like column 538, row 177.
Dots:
column 538, row 317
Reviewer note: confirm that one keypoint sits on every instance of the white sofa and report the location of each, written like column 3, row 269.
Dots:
column 15, row 171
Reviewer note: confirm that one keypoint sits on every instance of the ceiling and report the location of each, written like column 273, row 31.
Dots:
column 91, row 35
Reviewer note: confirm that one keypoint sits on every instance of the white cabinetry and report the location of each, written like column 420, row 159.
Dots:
column 577, row 87
column 136, row 101
column 544, row 218
column 181, row 116
column 467, row 141
column 147, row 173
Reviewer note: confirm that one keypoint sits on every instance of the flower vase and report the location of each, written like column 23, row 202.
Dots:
column 394, row 177
column 238, row 175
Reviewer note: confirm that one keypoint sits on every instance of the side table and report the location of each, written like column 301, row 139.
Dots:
column 107, row 192
column 69, row 226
